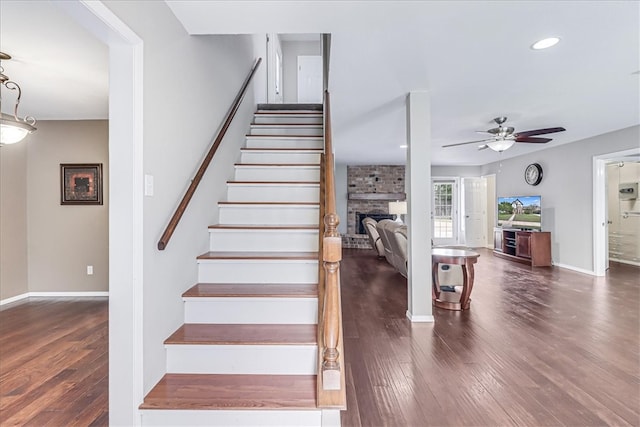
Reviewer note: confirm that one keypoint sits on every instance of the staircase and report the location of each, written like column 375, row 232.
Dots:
column 247, row 354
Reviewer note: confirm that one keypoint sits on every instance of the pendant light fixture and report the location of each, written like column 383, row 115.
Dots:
column 13, row 128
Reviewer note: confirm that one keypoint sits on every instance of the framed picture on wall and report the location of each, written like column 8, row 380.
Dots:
column 81, row 183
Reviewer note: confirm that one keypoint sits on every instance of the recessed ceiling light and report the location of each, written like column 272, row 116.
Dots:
column 403, row 146
column 545, row 43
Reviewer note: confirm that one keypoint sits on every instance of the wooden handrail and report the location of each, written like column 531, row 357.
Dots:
column 182, row 207
column 331, row 378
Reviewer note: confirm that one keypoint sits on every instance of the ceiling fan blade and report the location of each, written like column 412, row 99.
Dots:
column 539, row 132
column 532, row 139
column 468, row 142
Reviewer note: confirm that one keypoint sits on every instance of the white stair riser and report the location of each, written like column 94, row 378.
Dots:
column 277, row 173
column 315, row 119
column 265, row 214
column 272, row 193
column 246, row 418
column 286, row 157
column 242, row 359
column 251, row 310
column 290, row 142
column 257, row 271
column 286, row 130
column 247, row 240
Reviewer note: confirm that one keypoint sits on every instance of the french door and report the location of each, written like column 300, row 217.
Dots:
column 444, row 214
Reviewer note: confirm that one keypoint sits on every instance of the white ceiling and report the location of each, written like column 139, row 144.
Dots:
column 472, row 56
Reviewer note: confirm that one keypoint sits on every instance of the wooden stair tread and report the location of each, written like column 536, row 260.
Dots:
column 279, row 165
column 263, row 227
column 244, row 334
column 285, row 112
column 285, row 136
column 260, row 255
column 270, row 203
column 275, row 125
column 215, row 290
column 223, row 392
column 312, row 150
column 275, row 182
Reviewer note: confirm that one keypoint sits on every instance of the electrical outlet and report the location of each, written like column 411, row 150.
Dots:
column 89, row 270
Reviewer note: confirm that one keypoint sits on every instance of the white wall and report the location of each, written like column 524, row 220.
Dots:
column 181, row 116
column 342, row 196
column 291, row 50
column 566, row 190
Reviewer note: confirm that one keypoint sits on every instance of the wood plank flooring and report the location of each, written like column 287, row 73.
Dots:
column 54, row 363
column 539, row 347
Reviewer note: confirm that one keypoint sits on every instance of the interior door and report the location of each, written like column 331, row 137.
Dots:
column 444, row 212
column 309, row 79
column 474, row 211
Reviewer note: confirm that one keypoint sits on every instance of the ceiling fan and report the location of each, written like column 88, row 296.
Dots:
column 504, row 137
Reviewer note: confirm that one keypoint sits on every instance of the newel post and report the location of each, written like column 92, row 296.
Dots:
column 332, row 255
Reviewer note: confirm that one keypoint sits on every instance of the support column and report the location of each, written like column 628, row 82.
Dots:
column 418, row 188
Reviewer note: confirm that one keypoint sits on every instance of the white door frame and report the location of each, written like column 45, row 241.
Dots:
column 600, row 238
column 126, row 387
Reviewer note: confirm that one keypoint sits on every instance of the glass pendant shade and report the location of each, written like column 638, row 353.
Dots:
column 12, row 130
column 501, row 144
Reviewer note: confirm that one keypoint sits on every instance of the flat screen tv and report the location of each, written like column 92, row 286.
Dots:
column 521, row 212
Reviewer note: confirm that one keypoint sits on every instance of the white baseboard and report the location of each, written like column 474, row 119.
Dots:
column 579, row 270
column 14, row 299
column 55, row 295
column 420, row 319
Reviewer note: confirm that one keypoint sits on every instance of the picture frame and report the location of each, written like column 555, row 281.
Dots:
column 81, row 183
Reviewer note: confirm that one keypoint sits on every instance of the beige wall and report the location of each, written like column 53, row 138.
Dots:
column 51, row 244
column 13, row 221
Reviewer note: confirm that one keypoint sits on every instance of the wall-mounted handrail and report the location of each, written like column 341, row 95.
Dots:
column 182, row 207
column 331, row 378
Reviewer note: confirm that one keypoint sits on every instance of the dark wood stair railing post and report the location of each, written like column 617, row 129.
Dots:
column 182, row 207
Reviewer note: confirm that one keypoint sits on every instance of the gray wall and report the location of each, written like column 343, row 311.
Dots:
column 180, row 121
column 291, row 50
column 566, row 190
column 46, row 247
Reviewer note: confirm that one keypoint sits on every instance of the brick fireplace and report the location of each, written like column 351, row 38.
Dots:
column 370, row 189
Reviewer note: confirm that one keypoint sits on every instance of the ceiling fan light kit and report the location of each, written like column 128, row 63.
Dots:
column 503, row 137
column 13, row 128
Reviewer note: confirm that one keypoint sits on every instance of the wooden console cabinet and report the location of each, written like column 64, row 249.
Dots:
column 528, row 247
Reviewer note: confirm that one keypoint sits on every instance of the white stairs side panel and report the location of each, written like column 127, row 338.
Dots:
column 263, row 239
column 258, row 172
column 244, row 191
column 269, row 213
column 251, row 310
column 257, row 271
column 242, row 359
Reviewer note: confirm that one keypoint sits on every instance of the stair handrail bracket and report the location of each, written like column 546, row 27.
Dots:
column 331, row 381
column 184, row 203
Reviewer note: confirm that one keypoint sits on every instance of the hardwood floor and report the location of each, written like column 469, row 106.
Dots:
column 539, row 347
column 54, row 363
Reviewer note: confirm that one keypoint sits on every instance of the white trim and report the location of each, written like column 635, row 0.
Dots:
column 420, row 319
column 578, row 269
column 88, row 294
column 70, row 294
column 14, row 299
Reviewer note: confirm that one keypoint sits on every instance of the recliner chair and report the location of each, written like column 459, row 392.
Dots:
column 374, row 237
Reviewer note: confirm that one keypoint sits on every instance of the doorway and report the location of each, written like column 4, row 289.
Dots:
column 600, row 206
column 444, row 216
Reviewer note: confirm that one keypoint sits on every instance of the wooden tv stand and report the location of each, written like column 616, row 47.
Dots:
column 528, row 247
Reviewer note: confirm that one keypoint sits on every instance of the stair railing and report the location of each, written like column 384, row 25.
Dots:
column 331, row 368
column 182, row 207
